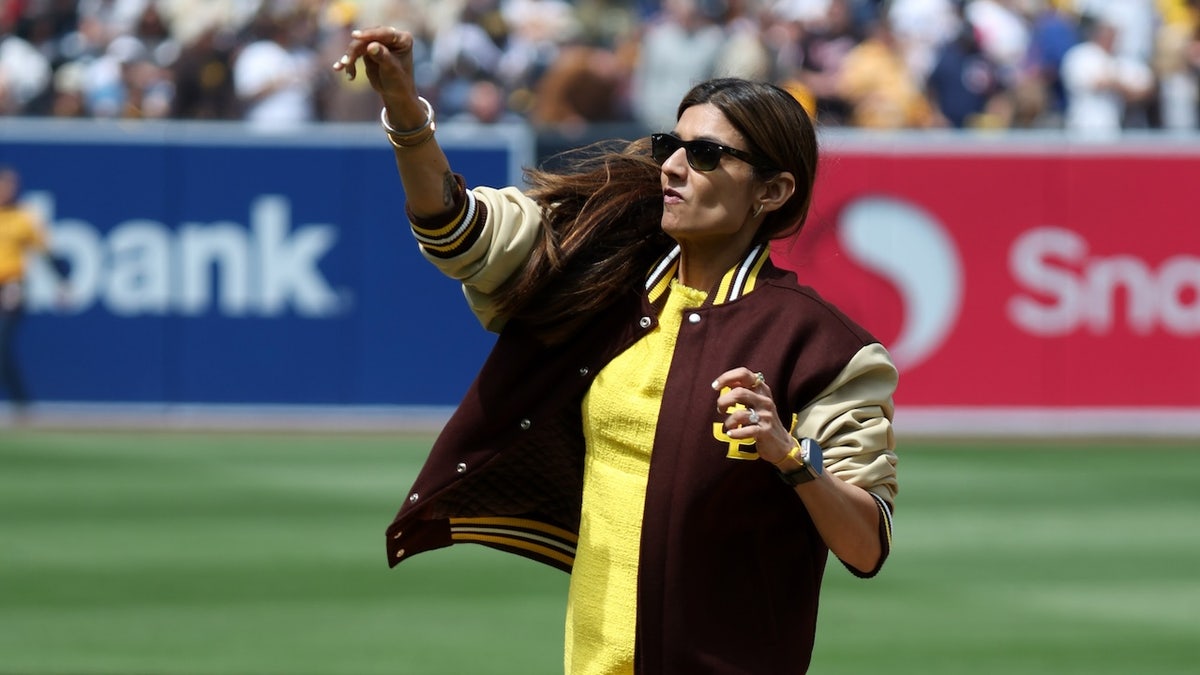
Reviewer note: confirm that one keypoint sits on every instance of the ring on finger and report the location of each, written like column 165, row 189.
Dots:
column 754, row 418
column 758, row 380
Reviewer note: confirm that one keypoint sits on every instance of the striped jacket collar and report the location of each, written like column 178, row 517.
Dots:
column 736, row 282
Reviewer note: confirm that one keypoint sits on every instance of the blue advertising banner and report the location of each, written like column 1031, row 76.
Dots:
column 208, row 264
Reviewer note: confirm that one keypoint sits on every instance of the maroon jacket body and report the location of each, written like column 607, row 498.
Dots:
column 731, row 565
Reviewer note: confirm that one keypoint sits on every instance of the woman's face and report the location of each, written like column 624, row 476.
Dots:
column 708, row 207
column 8, row 187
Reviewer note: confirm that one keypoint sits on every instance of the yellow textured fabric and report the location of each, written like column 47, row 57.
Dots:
column 18, row 233
column 619, row 415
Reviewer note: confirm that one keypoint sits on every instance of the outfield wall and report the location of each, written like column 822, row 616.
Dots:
column 211, row 265
column 1023, row 283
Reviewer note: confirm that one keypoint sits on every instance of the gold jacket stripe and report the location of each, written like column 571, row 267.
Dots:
column 538, row 538
column 455, row 237
column 738, row 281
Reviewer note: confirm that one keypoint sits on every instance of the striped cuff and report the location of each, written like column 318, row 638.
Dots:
column 454, row 232
column 885, row 539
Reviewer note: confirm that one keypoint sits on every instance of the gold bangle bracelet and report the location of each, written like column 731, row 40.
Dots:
column 411, row 142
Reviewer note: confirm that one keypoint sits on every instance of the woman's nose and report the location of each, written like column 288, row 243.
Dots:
column 676, row 163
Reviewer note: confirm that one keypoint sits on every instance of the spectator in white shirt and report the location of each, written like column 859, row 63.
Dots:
column 274, row 76
column 1100, row 83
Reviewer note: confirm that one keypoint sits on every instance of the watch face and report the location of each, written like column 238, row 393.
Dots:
column 813, row 461
column 813, row 457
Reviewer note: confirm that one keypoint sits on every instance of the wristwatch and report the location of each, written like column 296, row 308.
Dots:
column 808, row 455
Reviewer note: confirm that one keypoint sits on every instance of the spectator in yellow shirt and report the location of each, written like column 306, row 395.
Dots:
column 876, row 81
column 20, row 233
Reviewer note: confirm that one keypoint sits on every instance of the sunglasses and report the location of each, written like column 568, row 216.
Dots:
column 701, row 155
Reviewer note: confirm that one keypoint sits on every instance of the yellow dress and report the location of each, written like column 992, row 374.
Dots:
column 619, row 416
column 19, row 232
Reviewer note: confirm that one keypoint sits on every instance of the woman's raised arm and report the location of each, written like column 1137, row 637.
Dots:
column 408, row 119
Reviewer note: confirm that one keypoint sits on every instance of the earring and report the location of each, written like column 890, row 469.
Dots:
column 758, row 210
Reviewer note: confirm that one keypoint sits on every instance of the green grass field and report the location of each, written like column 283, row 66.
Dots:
column 180, row 553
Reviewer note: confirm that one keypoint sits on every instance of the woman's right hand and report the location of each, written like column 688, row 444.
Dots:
column 387, row 56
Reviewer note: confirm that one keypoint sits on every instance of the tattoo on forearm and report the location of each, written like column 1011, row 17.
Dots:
column 448, row 188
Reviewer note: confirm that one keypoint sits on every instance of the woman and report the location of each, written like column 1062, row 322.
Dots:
column 21, row 234
column 694, row 514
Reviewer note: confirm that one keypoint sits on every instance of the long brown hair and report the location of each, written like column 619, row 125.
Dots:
column 601, row 232
column 602, row 219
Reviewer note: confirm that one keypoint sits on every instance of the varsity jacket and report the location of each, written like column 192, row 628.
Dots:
column 730, row 563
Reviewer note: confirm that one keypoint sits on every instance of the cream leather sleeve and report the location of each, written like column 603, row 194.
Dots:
column 852, row 421
column 506, row 236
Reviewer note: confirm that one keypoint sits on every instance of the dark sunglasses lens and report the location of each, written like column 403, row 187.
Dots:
column 701, row 155
column 704, row 155
column 662, row 146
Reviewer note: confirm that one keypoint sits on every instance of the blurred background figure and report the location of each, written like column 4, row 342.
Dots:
column 1003, row 32
column 679, row 48
column 1039, row 97
column 1177, row 67
column 275, row 75
column 880, row 88
column 826, row 34
column 127, row 83
column 1101, row 84
column 918, row 28
column 203, row 73
column 577, row 66
column 531, row 40
column 485, row 104
column 583, row 86
column 965, row 85
column 25, row 73
column 746, row 51
column 21, row 234
column 465, row 51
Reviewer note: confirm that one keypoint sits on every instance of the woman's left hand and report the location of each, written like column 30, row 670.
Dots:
column 745, row 398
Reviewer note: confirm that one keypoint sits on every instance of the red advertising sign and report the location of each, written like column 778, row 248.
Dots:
column 1066, row 277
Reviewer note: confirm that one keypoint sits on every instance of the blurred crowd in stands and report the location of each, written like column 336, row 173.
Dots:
column 1090, row 65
